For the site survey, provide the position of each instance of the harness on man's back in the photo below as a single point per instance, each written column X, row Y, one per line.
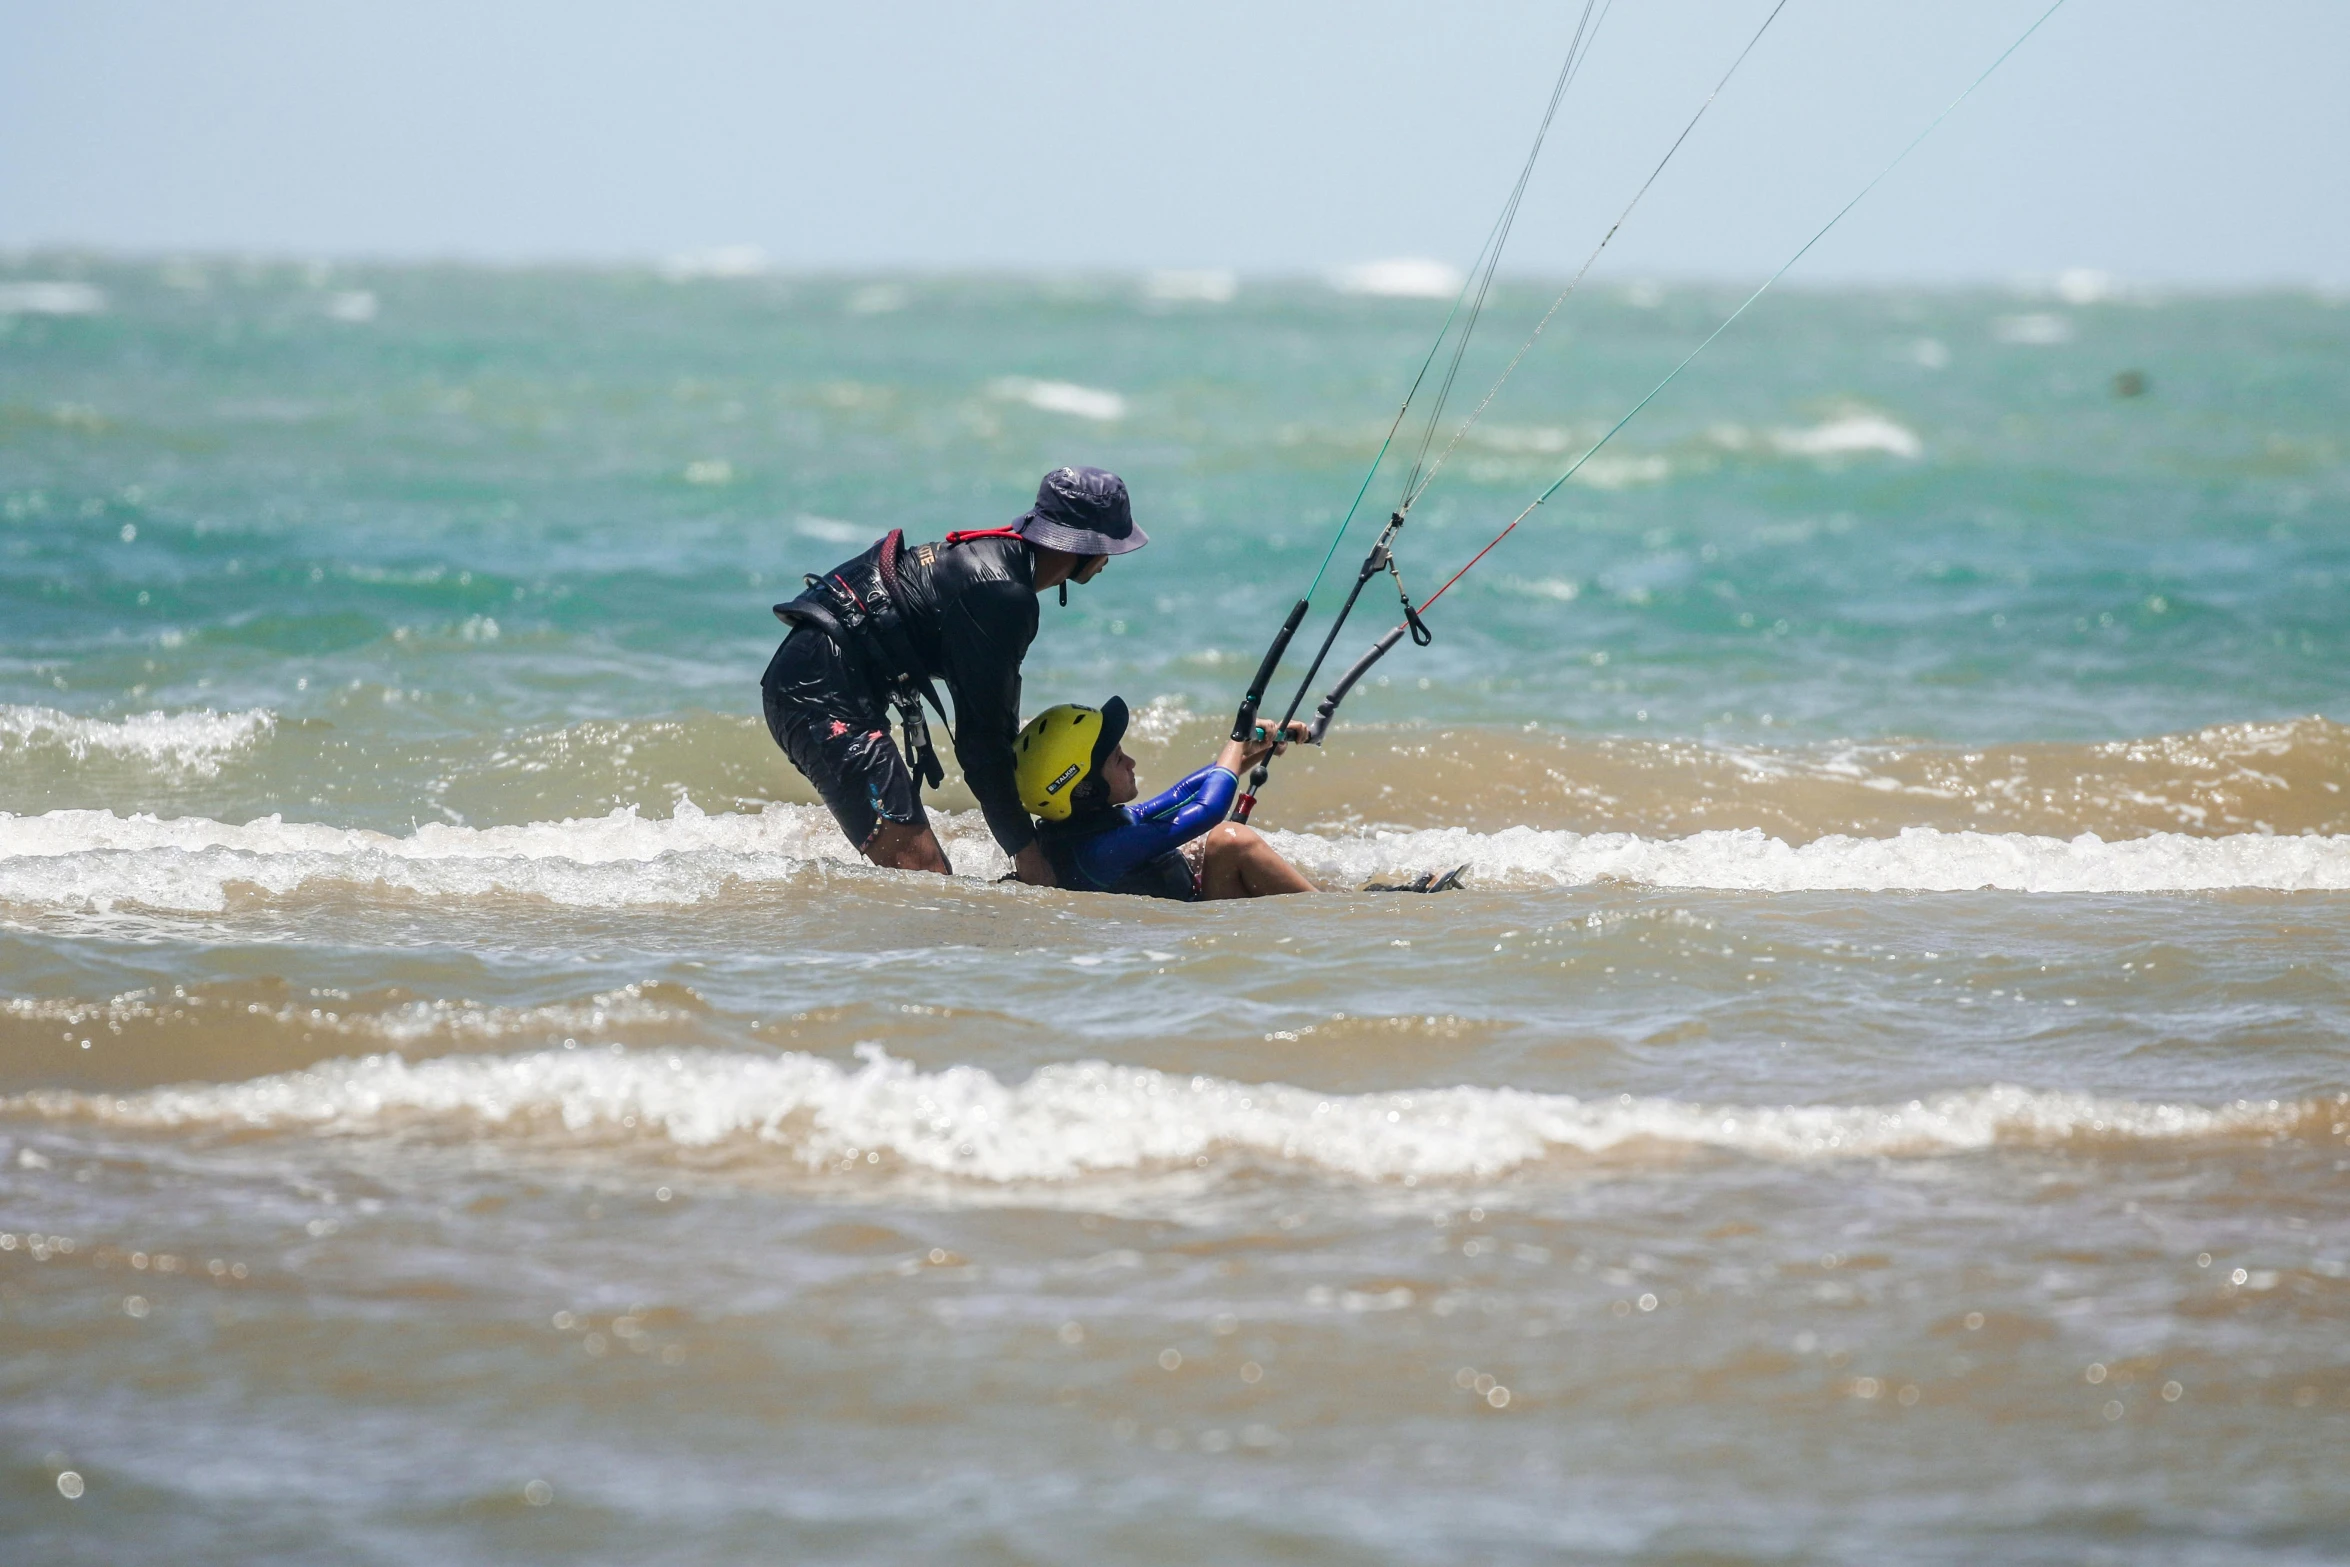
column 872, row 635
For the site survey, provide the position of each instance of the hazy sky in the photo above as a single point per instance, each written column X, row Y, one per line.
column 2185, row 140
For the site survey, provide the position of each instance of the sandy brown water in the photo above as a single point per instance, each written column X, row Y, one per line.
column 1677, row 1272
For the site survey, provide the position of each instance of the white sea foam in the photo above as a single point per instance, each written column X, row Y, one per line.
column 2087, row 286
column 720, row 261
column 1072, row 1120
column 96, row 860
column 1523, row 439
column 1159, row 719
column 195, row 742
column 1850, row 435
column 638, row 1009
column 878, row 299
column 51, row 299
column 1563, row 590
column 1207, row 286
column 1061, row 397
column 1406, row 277
column 1622, row 470
column 832, row 530
column 1919, row 859
column 2039, row 329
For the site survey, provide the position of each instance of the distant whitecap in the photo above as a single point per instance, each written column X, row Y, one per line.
column 1406, row 277
column 832, row 530
column 720, row 261
column 1850, row 436
column 2040, row 329
column 1622, row 470
column 51, row 299
column 1209, row 286
column 1061, row 397
column 2086, row 286
column 878, row 299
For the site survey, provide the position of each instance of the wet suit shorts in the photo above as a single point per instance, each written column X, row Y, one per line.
column 837, row 735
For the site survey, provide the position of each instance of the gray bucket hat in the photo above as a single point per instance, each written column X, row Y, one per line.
column 1083, row 511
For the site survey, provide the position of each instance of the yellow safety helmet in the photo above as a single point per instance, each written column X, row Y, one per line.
column 1061, row 748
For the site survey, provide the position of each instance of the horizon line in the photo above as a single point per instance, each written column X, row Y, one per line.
column 743, row 264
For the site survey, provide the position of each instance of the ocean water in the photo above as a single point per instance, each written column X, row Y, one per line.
column 1884, row 1095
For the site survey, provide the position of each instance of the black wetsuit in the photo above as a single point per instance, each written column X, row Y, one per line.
column 967, row 612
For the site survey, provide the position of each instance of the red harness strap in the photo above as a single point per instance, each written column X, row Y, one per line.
column 983, row 533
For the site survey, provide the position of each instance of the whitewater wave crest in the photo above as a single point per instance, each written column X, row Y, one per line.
column 1084, row 1118
column 96, row 860
column 1918, row 859
column 401, row 1021
column 194, row 743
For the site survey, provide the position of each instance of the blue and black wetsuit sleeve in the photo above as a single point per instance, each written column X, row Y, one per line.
column 1165, row 822
column 984, row 633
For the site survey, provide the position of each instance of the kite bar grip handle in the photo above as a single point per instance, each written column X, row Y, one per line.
column 1245, row 722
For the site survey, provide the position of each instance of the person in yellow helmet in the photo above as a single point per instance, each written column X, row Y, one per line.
column 1074, row 775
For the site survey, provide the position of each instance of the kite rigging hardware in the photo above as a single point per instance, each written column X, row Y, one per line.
column 1422, row 475
column 1244, row 725
column 873, row 638
column 1473, row 292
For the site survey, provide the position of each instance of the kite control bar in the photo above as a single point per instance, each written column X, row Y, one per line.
column 1346, row 682
column 1244, row 723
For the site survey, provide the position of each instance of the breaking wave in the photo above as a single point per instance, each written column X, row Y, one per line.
column 1919, row 859
column 195, row 743
column 396, row 1021
column 98, row 861
column 1082, row 1118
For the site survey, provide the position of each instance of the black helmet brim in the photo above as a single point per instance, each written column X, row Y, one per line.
column 1113, row 730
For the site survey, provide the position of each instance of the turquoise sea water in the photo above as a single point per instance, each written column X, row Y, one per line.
column 321, row 500
column 1894, row 1037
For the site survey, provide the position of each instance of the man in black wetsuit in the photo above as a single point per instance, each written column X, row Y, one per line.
column 876, row 632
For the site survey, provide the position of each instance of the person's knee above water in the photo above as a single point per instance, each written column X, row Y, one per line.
column 880, row 631
column 1079, row 781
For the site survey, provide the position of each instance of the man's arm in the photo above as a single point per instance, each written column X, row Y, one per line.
column 985, row 633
